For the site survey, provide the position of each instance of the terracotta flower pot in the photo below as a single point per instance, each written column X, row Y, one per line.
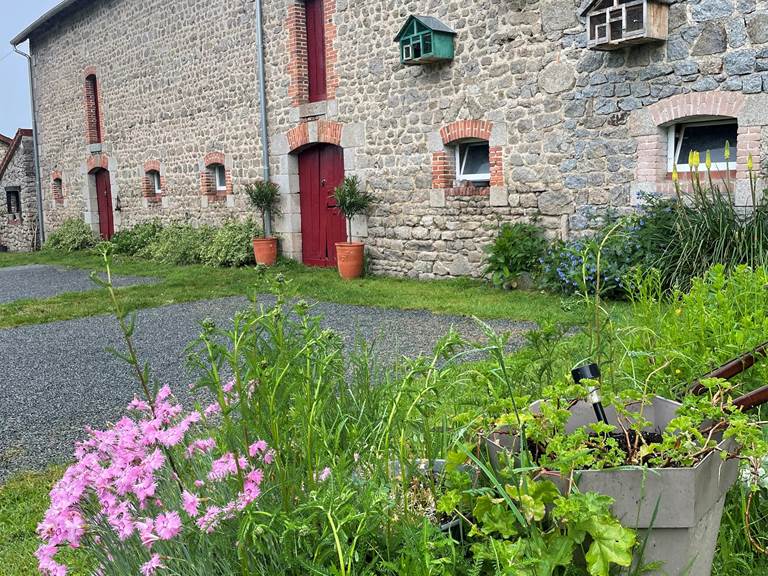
column 349, row 259
column 265, row 251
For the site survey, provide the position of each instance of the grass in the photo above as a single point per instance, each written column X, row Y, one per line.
column 188, row 283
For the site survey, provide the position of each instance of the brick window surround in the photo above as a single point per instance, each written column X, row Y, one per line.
column 148, row 185
column 443, row 161
column 652, row 172
column 57, row 188
column 208, row 178
column 94, row 120
column 296, row 24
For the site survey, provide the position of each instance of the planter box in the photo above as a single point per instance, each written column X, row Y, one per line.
column 683, row 534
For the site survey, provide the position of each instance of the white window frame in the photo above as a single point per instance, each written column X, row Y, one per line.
column 154, row 177
column 220, row 177
column 674, row 150
column 460, row 175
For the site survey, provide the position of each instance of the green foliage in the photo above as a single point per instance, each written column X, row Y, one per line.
column 133, row 240
column 517, row 248
column 231, row 245
column 265, row 197
column 71, row 235
column 352, row 200
column 179, row 244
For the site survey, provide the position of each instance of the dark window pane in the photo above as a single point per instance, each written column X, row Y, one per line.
column 712, row 138
column 417, row 47
column 427, row 43
column 475, row 159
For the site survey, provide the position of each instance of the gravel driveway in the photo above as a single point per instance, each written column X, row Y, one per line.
column 41, row 281
column 59, row 377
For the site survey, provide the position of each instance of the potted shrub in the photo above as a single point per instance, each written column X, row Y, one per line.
column 265, row 197
column 352, row 201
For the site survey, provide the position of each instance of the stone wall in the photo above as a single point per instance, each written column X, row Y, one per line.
column 176, row 83
column 18, row 232
column 571, row 129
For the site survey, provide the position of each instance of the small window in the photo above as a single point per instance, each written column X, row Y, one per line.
column 701, row 137
column 154, row 181
column 93, row 114
column 56, row 188
column 219, row 177
column 13, row 202
column 473, row 162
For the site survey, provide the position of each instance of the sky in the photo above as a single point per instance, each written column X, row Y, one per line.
column 14, row 82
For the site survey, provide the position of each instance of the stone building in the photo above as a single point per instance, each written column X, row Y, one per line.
column 561, row 111
column 18, row 210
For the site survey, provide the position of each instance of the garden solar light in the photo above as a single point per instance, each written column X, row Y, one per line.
column 591, row 372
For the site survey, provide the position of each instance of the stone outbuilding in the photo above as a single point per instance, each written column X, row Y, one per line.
column 458, row 115
column 18, row 210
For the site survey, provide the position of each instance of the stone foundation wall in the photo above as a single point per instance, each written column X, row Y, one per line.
column 18, row 232
column 572, row 134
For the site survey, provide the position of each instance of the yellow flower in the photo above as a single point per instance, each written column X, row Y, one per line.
column 679, row 311
column 677, row 371
column 750, row 162
column 708, row 160
column 727, row 150
column 675, row 175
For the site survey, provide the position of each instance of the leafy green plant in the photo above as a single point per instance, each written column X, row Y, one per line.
column 352, row 200
column 265, row 196
column 133, row 240
column 179, row 244
column 71, row 235
column 517, row 248
column 230, row 245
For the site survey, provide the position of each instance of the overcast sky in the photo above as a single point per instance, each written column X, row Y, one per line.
column 14, row 84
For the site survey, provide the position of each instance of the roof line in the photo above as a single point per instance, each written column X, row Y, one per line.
column 20, row 133
column 5, row 139
column 49, row 15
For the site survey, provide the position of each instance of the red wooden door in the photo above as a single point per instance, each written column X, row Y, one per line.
column 315, row 50
column 104, row 203
column 321, row 170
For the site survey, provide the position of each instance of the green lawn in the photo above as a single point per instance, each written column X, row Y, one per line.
column 187, row 283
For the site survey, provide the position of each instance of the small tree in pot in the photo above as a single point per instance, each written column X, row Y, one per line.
column 265, row 197
column 352, row 201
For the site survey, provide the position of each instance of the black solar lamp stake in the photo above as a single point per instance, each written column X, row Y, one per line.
column 591, row 372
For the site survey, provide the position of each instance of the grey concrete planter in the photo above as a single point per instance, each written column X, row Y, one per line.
column 683, row 534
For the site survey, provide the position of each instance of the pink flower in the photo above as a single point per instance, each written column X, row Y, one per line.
column 269, row 457
column 146, row 533
column 211, row 410
column 229, row 385
column 324, row 475
column 138, row 405
column 201, row 446
column 168, row 525
column 190, row 503
column 257, row 448
column 209, row 520
column 148, row 568
column 223, row 467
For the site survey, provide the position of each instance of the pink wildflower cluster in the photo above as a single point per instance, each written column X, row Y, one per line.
column 121, row 470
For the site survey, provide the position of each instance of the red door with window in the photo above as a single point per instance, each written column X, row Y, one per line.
column 104, row 203
column 315, row 50
column 321, row 171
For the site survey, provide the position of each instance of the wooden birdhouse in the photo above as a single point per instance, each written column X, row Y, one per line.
column 614, row 24
column 424, row 40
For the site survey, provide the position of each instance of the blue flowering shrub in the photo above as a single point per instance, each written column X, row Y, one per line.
column 624, row 244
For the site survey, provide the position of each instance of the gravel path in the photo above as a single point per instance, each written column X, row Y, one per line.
column 41, row 281
column 58, row 378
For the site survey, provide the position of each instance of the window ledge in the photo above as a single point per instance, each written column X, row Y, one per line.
column 704, row 175
column 468, row 191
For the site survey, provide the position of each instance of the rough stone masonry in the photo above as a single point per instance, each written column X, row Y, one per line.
column 574, row 134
